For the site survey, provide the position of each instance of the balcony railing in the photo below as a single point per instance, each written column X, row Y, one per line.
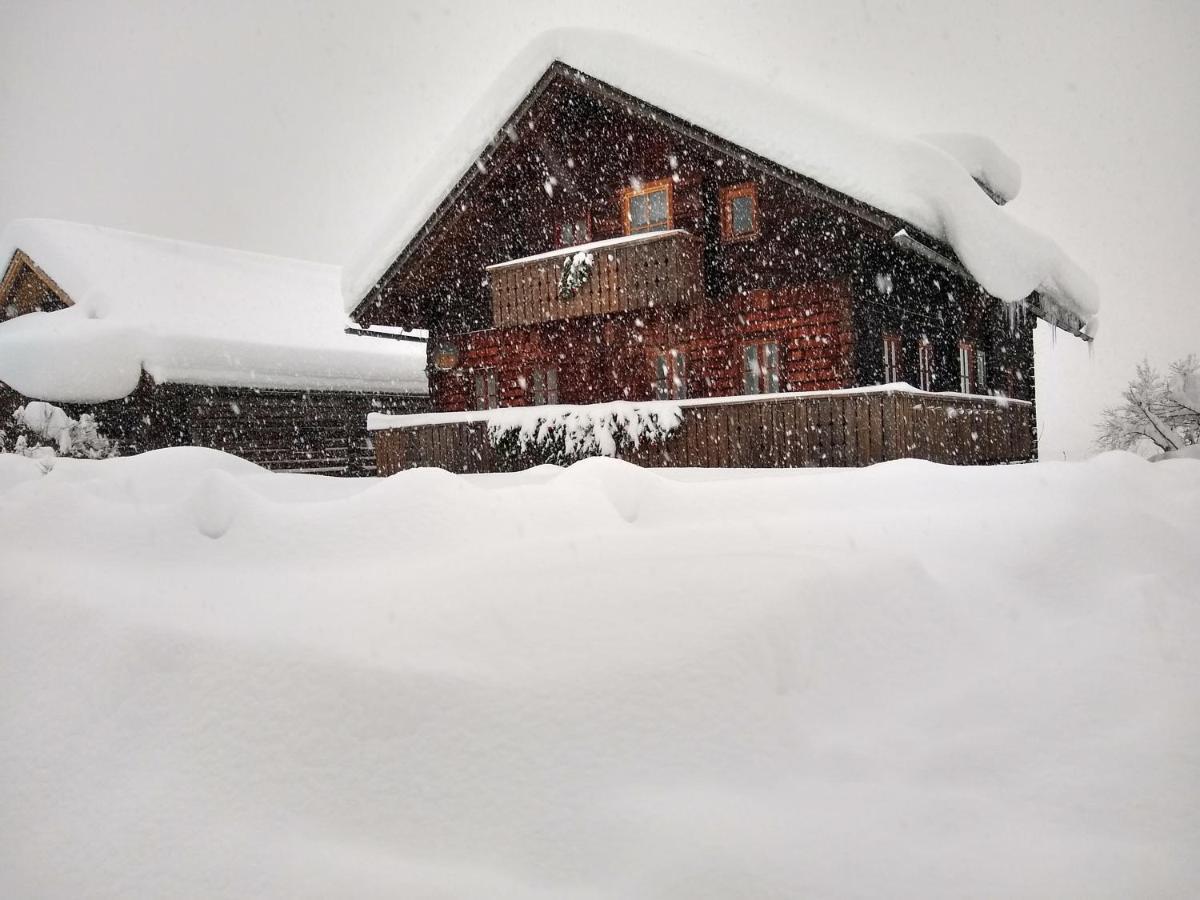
column 658, row 269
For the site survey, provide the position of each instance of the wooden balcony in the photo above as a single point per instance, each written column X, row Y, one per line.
column 657, row 269
column 831, row 428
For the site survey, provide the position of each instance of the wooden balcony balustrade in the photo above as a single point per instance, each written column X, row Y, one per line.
column 657, row 269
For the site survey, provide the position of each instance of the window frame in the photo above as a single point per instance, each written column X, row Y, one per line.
column 543, row 386
column 648, row 188
column 671, row 365
column 486, row 393
column 966, row 367
column 981, row 371
column 727, row 195
column 768, row 368
column 892, row 358
column 925, row 364
column 574, row 222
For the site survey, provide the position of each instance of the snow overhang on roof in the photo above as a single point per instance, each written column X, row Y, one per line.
column 185, row 313
column 932, row 184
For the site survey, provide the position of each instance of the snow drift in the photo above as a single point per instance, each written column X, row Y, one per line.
column 599, row 682
column 186, row 313
column 929, row 183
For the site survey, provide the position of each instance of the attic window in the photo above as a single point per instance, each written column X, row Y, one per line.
column 648, row 208
column 739, row 212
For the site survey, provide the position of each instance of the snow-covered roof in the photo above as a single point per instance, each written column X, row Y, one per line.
column 929, row 183
column 186, row 313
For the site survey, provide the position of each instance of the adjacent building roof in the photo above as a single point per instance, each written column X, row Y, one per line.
column 932, row 184
column 185, row 313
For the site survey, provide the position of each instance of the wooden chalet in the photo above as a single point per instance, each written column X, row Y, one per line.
column 172, row 344
column 605, row 248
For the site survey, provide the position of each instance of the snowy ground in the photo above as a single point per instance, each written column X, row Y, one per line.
column 905, row 681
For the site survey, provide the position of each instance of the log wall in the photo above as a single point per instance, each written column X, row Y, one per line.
column 297, row 431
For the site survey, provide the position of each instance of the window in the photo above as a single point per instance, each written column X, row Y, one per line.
column 891, row 358
column 574, row 231
column 966, row 367
column 760, row 368
column 1011, row 379
column 925, row 365
column 670, row 375
column 981, row 372
column 739, row 212
column 648, row 208
column 487, row 393
column 544, row 386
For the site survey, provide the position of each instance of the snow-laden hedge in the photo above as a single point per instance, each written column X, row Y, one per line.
column 43, row 431
column 561, row 435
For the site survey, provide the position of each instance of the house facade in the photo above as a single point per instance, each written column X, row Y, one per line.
column 603, row 249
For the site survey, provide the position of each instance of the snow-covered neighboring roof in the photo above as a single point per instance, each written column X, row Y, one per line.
column 186, row 313
column 929, row 184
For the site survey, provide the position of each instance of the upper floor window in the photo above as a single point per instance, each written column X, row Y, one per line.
column 760, row 368
column 670, row 375
column 891, row 358
column 544, row 386
column 648, row 208
column 966, row 367
column 487, row 392
column 925, row 365
column 981, row 372
column 739, row 212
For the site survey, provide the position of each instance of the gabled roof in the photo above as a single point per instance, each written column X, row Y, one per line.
column 927, row 188
column 185, row 313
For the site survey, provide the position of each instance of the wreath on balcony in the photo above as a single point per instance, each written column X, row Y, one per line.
column 575, row 274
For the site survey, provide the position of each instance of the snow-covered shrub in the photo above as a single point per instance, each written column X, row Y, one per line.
column 575, row 274
column 42, row 431
column 566, row 434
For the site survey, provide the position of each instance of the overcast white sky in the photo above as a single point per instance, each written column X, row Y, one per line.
column 290, row 128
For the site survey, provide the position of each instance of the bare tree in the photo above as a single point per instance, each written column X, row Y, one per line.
column 1158, row 410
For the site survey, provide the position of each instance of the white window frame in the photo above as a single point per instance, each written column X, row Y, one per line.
column 925, row 365
column 487, row 389
column 891, row 358
column 966, row 367
column 760, row 368
column 544, row 386
column 670, row 375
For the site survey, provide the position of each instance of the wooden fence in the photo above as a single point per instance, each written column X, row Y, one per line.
column 659, row 269
column 782, row 430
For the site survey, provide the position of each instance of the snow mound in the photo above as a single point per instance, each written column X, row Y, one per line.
column 186, row 313
column 929, row 186
column 599, row 682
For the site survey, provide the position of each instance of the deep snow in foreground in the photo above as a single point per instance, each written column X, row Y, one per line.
column 904, row 681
